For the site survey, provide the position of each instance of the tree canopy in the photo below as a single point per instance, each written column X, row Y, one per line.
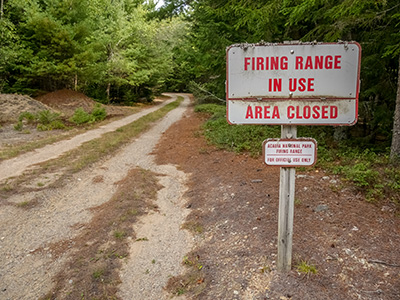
column 108, row 49
column 375, row 24
column 124, row 50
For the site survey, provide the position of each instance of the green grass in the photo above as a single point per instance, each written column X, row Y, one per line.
column 237, row 138
column 98, row 273
column 366, row 167
column 94, row 150
column 306, row 268
column 119, row 234
column 14, row 151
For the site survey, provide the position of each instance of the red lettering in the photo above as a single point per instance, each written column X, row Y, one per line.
column 310, row 85
column 246, row 63
column 252, row 63
column 277, row 84
column 284, row 63
column 334, row 112
column 307, row 112
column 260, row 63
column 316, row 113
column 302, row 86
column 309, row 64
column 249, row 113
column 290, row 112
column 324, row 112
column 258, row 112
column 299, row 63
column 298, row 116
column 275, row 63
column 319, row 62
column 267, row 112
column 292, row 84
column 328, row 62
column 338, row 61
column 275, row 113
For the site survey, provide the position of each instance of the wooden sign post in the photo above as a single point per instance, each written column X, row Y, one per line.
column 286, row 208
column 292, row 84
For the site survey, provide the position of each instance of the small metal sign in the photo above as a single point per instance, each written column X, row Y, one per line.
column 300, row 152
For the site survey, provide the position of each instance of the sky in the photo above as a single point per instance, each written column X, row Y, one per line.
column 160, row 3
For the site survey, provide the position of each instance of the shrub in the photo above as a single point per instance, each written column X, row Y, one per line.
column 57, row 124
column 18, row 126
column 99, row 113
column 30, row 117
column 81, row 117
column 45, row 117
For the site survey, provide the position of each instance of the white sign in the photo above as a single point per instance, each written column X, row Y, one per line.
column 290, row 152
column 311, row 76
column 301, row 112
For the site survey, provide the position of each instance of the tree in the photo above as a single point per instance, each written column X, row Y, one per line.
column 395, row 148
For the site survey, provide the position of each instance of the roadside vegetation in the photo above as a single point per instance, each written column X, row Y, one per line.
column 92, row 151
column 367, row 168
column 47, row 120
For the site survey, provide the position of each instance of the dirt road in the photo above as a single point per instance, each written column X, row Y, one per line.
column 29, row 262
column 54, row 239
column 16, row 166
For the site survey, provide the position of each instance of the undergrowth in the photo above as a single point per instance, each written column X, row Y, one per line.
column 235, row 138
column 366, row 167
column 45, row 120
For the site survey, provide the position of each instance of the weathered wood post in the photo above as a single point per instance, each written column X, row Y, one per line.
column 289, row 84
column 286, row 208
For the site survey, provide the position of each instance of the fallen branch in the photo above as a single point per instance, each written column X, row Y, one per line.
column 375, row 261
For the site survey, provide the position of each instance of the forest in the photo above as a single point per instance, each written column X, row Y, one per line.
column 124, row 51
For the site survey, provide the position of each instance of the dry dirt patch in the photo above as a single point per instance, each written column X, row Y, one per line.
column 352, row 244
column 67, row 101
column 104, row 242
column 11, row 105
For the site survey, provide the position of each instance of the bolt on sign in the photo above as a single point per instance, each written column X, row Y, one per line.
column 293, row 84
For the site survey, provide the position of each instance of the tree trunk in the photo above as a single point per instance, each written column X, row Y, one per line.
column 395, row 149
column 108, row 92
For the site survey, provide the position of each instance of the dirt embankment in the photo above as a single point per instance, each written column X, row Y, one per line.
column 67, row 101
column 12, row 105
column 64, row 102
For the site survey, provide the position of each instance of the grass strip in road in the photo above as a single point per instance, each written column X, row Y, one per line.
column 88, row 153
column 94, row 150
column 14, row 151
column 101, row 248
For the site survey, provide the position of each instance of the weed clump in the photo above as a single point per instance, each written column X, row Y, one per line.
column 82, row 117
column 306, row 268
column 45, row 120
